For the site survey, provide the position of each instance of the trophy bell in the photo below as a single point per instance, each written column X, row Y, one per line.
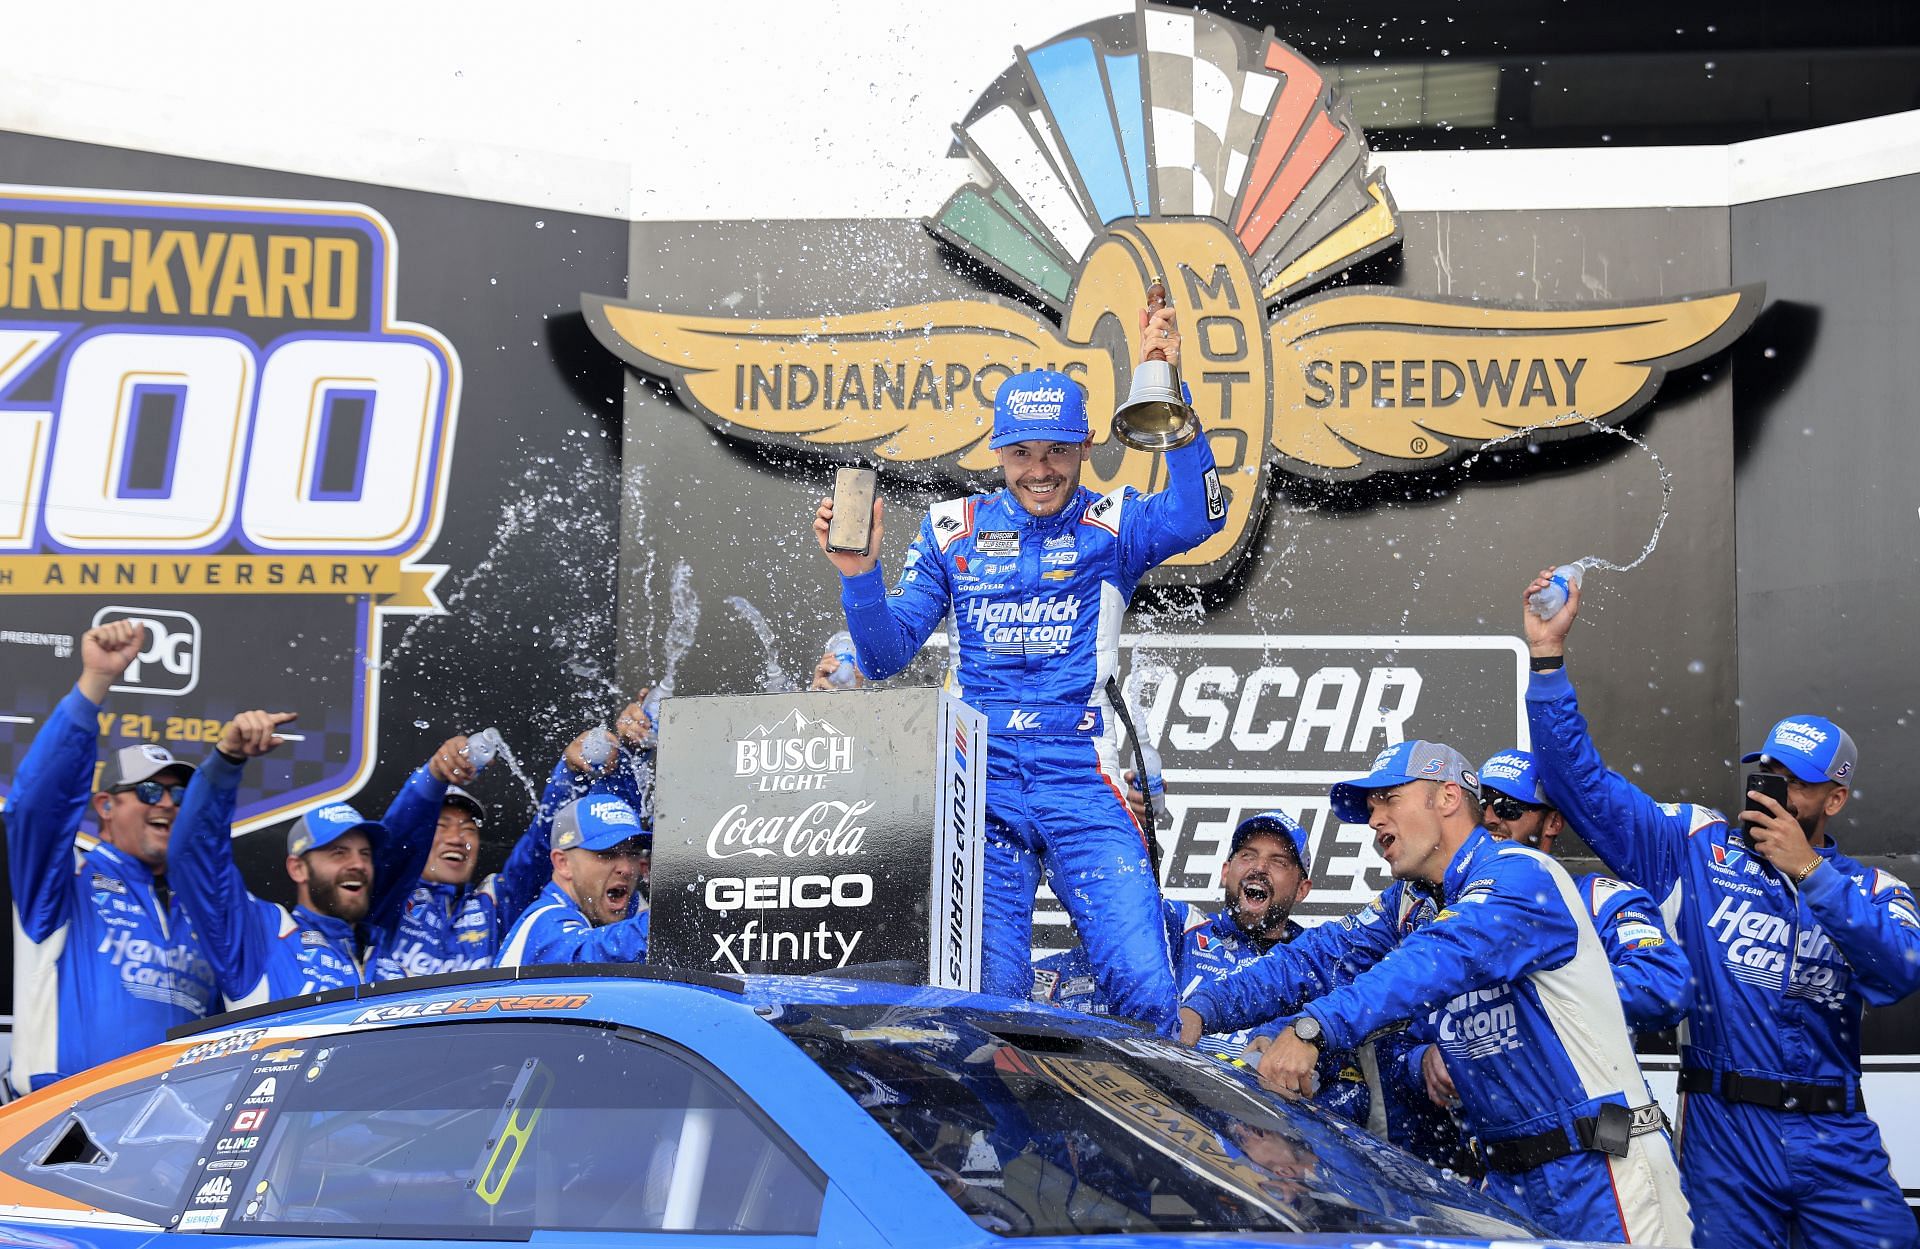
column 1155, row 416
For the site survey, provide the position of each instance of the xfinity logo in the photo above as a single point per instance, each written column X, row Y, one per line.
column 169, row 659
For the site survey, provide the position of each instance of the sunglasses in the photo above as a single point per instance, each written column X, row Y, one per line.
column 1511, row 808
column 151, row 792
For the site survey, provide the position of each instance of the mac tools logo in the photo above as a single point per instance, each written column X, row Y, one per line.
column 1166, row 142
column 213, row 421
column 794, row 753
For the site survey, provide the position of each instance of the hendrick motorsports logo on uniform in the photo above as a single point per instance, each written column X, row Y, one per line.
column 1245, row 197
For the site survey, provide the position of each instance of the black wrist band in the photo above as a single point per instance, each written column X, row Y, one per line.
column 1547, row 663
column 229, row 758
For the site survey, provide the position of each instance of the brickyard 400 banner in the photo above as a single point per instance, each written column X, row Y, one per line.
column 212, row 421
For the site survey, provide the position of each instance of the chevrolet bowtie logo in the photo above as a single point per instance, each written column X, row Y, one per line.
column 1243, row 209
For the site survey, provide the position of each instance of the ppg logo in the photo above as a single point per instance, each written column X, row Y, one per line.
column 169, row 660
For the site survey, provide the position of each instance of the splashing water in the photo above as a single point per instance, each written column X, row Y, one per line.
column 682, row 624
column 773, row 678
column 518, row 773
column 1666, row 485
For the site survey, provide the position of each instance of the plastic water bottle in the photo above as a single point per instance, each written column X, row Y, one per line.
column 846, row 676
column 1550, row 598
column 482, row 747
column 1153, row 784
column 597, row 751
column 650, row 708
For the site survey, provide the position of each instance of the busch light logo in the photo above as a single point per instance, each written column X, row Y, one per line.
column 1034, row 627
column 169, row 659
column 792, row 754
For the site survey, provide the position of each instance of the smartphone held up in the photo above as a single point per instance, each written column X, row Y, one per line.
column 851, row 530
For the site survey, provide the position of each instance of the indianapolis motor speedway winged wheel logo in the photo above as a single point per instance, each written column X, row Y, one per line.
column 1170, row 142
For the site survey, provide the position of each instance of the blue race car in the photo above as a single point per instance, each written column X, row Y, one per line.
column 588, row 1106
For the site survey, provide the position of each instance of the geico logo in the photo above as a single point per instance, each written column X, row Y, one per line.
column 1731, row 920
column 774, row 893
column 1332, row 709
column 756, row 756
column 237, row 441
column 823, row 828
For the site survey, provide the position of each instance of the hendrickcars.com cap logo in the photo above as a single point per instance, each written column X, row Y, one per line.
column 1175, row 143
column 212, row 421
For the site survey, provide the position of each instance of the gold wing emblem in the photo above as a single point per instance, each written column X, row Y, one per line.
column 1366, row 377
column 912, row 383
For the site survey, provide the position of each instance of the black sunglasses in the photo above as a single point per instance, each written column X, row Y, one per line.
column 150, row 792
column 1511, row 808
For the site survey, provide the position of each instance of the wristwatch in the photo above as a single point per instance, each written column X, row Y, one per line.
column 1308, row 1029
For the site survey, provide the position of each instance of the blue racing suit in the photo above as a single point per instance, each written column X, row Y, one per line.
column 447, row 927
column 1525, row 1014
column 555, row 930
column 1036, row 607
column 260, row 950
column 100, row 968
column 1781, row 974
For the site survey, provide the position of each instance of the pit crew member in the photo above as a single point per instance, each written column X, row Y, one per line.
column 1037, row 576
column 104, row 959
column 585, row 914
column 1527, row 1017
column 347, row 870
column 1787, row 938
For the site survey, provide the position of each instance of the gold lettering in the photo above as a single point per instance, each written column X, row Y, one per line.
column 289, row 271
column 72, row 239
column 151, row 274
column 240, row 278
column 35, row 260
column 100, row 293
column 202, row 260
column 331, row 303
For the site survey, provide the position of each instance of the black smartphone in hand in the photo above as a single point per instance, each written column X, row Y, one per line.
column 1772, row 784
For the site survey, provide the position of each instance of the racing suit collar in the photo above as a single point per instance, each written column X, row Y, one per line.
column 1018, row 515
column 1223, row 926
column 122, row 863
column 332, row 927
column 1463, row 860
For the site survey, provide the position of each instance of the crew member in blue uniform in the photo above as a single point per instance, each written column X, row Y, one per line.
column 1037, row 577
column 1524, row 1005
column 104, row 960
column 347, row 871
column 586, row 913
column 446, row 922
column 1787, row 938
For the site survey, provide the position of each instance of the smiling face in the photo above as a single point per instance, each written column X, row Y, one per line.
column 1043, row 475
column 140, row 829
column 1263, row 883
column 1533, row 825
column 602, row 882
column 456, row 847
column 336, row 879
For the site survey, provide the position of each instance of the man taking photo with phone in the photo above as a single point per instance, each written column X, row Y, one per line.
column 1788, row 939
column 1038, row 576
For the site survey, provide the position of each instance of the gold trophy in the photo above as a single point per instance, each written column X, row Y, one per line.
column 1155, row 416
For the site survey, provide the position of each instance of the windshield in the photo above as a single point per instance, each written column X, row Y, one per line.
column 1041, row 1129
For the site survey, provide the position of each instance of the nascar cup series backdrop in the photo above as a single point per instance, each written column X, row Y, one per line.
column 414, row 465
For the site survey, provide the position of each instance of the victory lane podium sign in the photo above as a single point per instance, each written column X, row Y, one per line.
column 833, row 833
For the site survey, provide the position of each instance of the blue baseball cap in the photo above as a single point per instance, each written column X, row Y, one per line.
column 1813, row 748
column 1273, row 824
column 325, row 825
column 1039, row 406
column 1411, row 760
column 1511, row 772
column 595, row 822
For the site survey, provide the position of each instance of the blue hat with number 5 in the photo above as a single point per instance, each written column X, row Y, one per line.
column 1041, row 406
column 1813, row 748
column 1411, row 760
column 323, row 826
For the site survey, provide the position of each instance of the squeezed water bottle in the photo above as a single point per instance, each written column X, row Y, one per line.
column 597, row 750
column 482, row 747
column 1550, row 598
column 650, row 707
column 847, row 674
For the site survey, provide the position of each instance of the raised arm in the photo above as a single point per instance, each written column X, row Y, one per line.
column 890, row 626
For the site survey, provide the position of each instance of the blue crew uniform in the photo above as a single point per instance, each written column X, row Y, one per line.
column 554, row 929
column 1775, row 1141
column 1036, row 607
column 445, row 927
column 1525, row 1015
column 262, row 951
column 101, row 966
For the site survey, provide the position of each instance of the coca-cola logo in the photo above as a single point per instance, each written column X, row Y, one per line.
column 824, row 828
